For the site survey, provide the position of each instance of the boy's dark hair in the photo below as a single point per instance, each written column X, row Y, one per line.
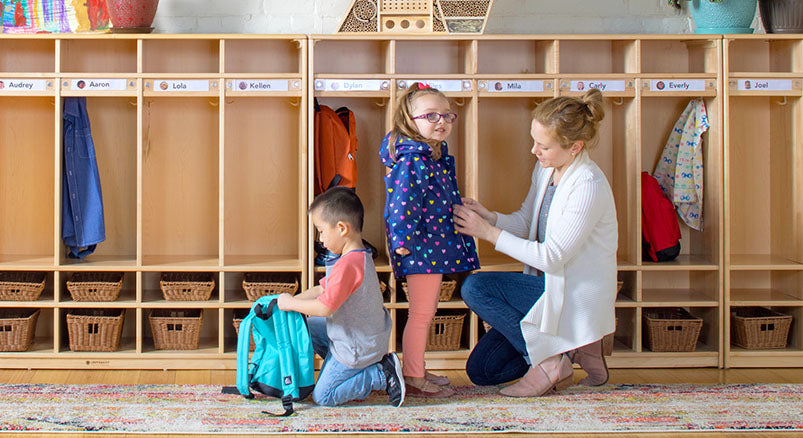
column 339, row 204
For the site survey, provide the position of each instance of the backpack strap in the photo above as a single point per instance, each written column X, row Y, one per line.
column 243, row 351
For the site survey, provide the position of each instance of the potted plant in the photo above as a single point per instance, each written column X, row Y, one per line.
column 132, row 16
column 781, row 16
column 720, row 16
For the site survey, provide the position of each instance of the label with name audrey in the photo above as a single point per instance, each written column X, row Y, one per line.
column 261, row 85
column 667, row 85
column 445, row 85
column 166, row 86
column 17, row 85
column 508, row 86
column 764, row 84
column 352, row 84
column 603, row 86
column 98, row 84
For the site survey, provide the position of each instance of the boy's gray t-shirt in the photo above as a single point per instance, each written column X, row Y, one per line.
column 359, row 330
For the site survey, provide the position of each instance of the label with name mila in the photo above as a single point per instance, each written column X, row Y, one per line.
column 23, row 85
column 261, row 85
column 165, row 86
column 352, row 84
column 764, row 84
column 583, row 86
column 666, row 85
column 445, row 85
column 98, row 84
column 505, row 86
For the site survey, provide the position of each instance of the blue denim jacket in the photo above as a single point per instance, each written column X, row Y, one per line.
column 82, row 224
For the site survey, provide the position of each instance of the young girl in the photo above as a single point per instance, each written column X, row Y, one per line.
column 420, row 191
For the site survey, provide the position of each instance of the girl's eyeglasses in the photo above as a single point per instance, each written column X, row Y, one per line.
column 436, row 117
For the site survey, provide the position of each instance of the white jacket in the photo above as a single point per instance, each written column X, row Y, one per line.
column 578, row 258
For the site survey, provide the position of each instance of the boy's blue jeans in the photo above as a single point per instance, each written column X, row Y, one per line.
column 337, row 383
column 501, row 299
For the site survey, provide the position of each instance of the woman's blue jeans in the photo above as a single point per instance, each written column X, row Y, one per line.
column 501, row 299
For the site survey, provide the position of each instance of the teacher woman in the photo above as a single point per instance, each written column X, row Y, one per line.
column 565, row 233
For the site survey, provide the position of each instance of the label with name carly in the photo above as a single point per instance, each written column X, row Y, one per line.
column 98, row 84
column 600, row 85
column 764, row 84
column 352, row 84
column 445, row 85
column 16, row 85
column 165, row 86
column 667, row 85
column 505, row 86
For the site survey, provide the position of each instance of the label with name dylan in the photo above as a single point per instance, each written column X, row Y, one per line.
column 764, row 84
column 261, row 85
column 98, row 84
column 504, row 86
column 180, row 86
column 583, row 86
column 15, row 85
column 667, row 85
column 445, row 85
column 351, row 84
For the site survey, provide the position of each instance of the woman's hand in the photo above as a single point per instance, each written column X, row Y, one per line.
column 402, row 251
column 480, row 209
column 471, row 223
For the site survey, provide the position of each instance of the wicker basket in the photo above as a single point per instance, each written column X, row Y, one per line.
column 759, row 328
column 446, row 291
column 95, row 286
column 21, row 286
column 17, row 327
column 444, row 333
column 176, row 329
column 95, row 329
column 672, row 329
column 236, row 324
column 259, row 284
column 187, row 286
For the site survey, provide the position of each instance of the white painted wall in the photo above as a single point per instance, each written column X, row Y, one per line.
column 507, row 16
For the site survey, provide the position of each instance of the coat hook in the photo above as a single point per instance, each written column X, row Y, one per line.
column 618, row 102
column 294, row 101
column 460, row 102
column 381, row 103
column 213, row 103
column 132, row 102
column 782, row 102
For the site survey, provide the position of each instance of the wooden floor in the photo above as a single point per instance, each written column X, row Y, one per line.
column 214, row 377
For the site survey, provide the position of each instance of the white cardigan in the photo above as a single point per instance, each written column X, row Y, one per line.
column 578, row 258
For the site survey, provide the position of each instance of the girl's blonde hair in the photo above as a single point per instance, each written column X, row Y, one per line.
column 572, row 119
column 403, row 123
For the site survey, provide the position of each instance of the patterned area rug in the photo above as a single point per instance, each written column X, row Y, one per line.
column 610, row 408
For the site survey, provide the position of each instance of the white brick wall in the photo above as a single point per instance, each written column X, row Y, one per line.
column 507, row 16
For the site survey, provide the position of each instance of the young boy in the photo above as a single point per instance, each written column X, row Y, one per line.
column 353, row 336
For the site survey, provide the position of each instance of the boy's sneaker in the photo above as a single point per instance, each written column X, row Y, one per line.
column 392, row 368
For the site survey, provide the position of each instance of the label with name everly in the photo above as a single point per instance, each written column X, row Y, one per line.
column 352, row 84
column 504, row 86
column 666, row 85
column 600, row 85
column 261, row 85
column 446, row 85
column 181, row 85
column 98, row 84
column 764, row 84
column 23, row 85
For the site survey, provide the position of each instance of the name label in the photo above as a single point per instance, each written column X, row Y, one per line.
column 583, row 86
column 98, row 84
column 164, row 86
column 23, row 85
column 666, row 85
column 445, row 85
column 764, row 84
column 504, row 86
column 352, row 84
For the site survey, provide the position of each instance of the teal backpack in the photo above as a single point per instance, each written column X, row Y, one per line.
column 283, row 362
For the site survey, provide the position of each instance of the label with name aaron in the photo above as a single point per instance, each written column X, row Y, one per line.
column 261, row 85
column 764, row 84
column 17, row 85
column 507, row 86
column 167, row 86
column 445, row 85
column 667, row 85
column 98, row 84
column 352, row 84
column 583, row 86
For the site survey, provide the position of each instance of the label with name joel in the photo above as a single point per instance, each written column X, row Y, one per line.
column 600, row 85
column 764, row 84
column 98, row 84
column 15, row 85
column 445, row 85
column 180, row 86
column 666, row 85
column 505, row 86
column 351, row 84
column 261, row 85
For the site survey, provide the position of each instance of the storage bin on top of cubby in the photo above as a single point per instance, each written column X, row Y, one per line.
column 258, row 284
column 187, row 286
column 757, row 328
column 21, row 286
column 95, row 286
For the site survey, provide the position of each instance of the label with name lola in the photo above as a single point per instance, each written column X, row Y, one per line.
column 600, row 85
column 261, row 85
column 98, row 84
column 666, row 85
column 23, row 85
column 764, row 84
column 505, row 86
column 165, row 86
column 445, row 85
column 352, row 84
